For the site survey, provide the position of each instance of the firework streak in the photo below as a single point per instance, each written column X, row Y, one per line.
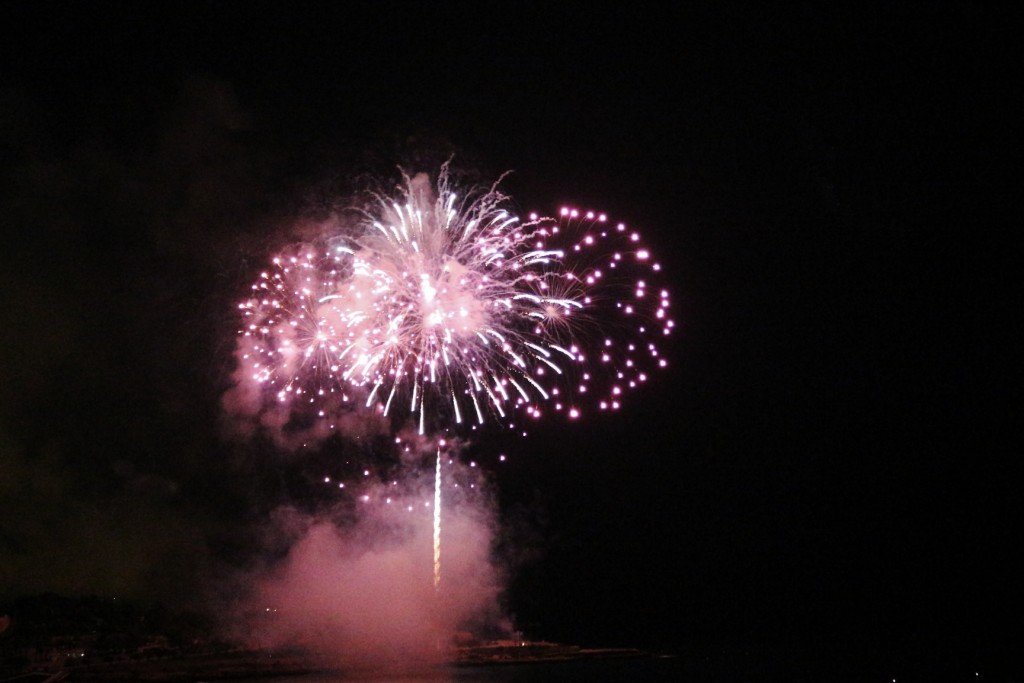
column 452, row 309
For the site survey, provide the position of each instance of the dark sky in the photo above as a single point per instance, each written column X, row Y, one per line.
column 829, row 472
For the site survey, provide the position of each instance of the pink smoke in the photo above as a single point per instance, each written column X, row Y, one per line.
column 362, row 595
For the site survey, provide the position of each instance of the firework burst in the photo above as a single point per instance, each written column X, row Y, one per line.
column 452, row 309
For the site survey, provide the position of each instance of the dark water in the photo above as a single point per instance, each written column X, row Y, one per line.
column 654, row 670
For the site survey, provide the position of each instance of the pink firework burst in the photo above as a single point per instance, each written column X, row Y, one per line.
column 452, row 309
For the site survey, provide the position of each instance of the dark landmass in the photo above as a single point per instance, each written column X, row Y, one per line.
column 50, row 637
column 184, row 668
column 180, row 668
column 105, row 637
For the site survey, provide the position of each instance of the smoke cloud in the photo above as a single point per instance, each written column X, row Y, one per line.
column 355, row 587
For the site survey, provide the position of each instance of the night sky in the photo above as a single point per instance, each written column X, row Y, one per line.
column 829, row 473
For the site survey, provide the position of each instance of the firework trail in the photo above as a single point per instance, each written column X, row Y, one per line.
column 437, row 521
column 452, row 309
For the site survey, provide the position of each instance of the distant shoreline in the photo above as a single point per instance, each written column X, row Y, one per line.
column 248, row 665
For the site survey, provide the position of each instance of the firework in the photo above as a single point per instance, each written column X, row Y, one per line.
column 451, row 308
column 437, row 520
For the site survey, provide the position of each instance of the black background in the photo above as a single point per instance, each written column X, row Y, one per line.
column 829, row 473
